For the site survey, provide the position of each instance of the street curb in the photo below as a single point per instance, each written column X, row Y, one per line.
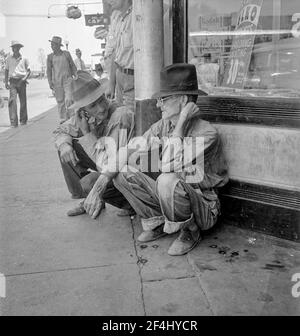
column 9, row 133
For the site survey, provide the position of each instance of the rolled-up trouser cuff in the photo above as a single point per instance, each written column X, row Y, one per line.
column 172, row 227
column 149, row 224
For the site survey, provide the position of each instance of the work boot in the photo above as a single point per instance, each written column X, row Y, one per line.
column 76, row 197
column 185, row 242
column 148, row 236
column 79, row 210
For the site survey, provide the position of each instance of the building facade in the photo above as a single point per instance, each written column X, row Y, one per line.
column 247, row 55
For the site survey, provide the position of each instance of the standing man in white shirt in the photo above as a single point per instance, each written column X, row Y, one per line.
column 78, row 61
column 122, row 68
column 111, row 39
column 16, row 73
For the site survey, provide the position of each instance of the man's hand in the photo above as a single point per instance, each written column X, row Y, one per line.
column 188, row 110
column 24, row 80
column 82, row 122
column 110, row 93
column 7, row 86
column 51, row 86
column 93, row 204
column 68, row 154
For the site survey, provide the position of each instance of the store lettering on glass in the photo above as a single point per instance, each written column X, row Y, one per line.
column 237, row 65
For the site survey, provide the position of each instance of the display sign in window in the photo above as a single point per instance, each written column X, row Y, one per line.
column 246, row 47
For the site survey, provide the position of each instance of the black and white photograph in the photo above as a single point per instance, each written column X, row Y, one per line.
column 149, row 161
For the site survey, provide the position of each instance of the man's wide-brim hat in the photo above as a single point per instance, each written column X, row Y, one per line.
column 86, row 90
column 57, row 40
column 178, row 79
column 16, row 43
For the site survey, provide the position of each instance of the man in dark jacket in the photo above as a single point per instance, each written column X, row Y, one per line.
column 60, row 70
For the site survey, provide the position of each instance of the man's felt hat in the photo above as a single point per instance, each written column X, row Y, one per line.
column 16, row 43
column 177, row 79
column 57, row 40
column 85, row 90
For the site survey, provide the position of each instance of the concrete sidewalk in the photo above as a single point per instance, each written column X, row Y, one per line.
column 56, row 265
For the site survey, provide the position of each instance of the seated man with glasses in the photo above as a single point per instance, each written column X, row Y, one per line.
column 81, row 142
column 184, row 197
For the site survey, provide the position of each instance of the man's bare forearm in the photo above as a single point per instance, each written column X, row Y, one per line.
column 27, row 74
column 121, row 161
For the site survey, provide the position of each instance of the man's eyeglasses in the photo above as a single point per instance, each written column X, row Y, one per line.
column 161, row 101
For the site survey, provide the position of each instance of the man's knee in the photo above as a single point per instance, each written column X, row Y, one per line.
column 121, row 178
column 126, row 176
column 166, row 184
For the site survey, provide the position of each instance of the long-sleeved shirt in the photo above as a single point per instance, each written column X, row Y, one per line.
column 124, row 55
column 118, row 127
column 197, row 158
column 112, row 33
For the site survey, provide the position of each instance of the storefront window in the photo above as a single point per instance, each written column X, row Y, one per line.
column 246, row 47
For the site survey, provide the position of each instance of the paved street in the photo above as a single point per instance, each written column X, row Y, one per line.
column 38, row 101
column 56, row 265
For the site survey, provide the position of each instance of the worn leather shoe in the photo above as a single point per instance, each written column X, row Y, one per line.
column 148, row 236
column 185, row 242
column 126, row 213
column 79, row 210
column 77, row 197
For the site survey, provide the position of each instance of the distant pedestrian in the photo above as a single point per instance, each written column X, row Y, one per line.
column 16, row 73
column 99, row 75
column 60, row 70
column 80, row 65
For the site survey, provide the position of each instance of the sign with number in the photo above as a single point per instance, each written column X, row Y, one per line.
column 237, row 65
column 97, row 20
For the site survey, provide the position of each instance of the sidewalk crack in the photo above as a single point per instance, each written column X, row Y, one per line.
column 200, row 285
column 175, row 278
column 140, row 266
column 61, row 270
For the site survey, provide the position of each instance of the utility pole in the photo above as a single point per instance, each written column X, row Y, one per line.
column 148, row 37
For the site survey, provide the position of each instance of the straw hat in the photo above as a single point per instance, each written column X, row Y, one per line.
column 16, row 43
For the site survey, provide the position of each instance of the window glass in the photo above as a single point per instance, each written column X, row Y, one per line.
column 246, row 47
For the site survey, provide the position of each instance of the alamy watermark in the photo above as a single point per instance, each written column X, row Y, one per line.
column 296, row 286
column 154, row 154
